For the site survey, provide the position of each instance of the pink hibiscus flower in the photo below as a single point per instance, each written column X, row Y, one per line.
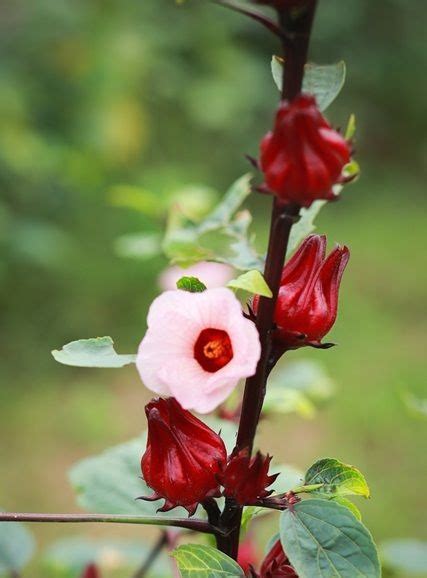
column 197, row 347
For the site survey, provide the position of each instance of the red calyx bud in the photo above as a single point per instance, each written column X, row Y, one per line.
column 183, row 456
column 91, row 571
column 245, row 479
column 307, row 303
column 276, row 564
column 303, row 157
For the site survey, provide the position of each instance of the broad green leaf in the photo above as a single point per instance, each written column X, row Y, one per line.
column 17, row 546
column 72, row 555
column 252, row 282
column 323, row 81
column 348, row 504
column 305, row 225
column 196, row 561
column 139, row 245
column 407, row 556
column 324, row 540
column 298, row 387
column 336, row 479
column 95, row 352
column 240, row 252
column 232, row 201
column 223, row 236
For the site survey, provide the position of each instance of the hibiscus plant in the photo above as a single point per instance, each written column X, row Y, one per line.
column 203, row 480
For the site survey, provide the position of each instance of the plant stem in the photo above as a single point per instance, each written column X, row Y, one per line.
column 254, row 14
column 296, row 26
column 188, row 523
column 152, row 557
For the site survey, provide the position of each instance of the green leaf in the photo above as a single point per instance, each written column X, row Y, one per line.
column 191, row 284
column 231, row 202
column 305, row 225
column 196, row 561
column 408, row 557
column 252, row 282
column 324, row 539
column 249, row 513
column 72, row 555
column 298, row 387
column 223, row 236
column 17, row 546
column 348, row 504
column 323, row 81
column 336, row 479
column 95, row 352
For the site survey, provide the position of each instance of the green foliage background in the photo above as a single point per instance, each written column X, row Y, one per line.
column 95, row 94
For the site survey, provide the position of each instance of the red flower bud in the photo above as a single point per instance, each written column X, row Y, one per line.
column 307, row 303
column 183, row 456
column 91, row 571
column 245, row 479
column 276, row 564
column 303, row 157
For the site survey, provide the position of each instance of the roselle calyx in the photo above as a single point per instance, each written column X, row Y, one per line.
column 183, row 456
column 246, row 478
column 303, row 157
column 307, row 303
column 276, row 564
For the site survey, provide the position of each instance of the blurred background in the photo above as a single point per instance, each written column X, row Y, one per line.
column 103, row 99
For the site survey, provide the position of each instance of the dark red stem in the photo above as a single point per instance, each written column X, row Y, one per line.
column 187, row 523
column 297, row 27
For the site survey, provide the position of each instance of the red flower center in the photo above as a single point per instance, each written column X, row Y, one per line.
column 213, row 349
